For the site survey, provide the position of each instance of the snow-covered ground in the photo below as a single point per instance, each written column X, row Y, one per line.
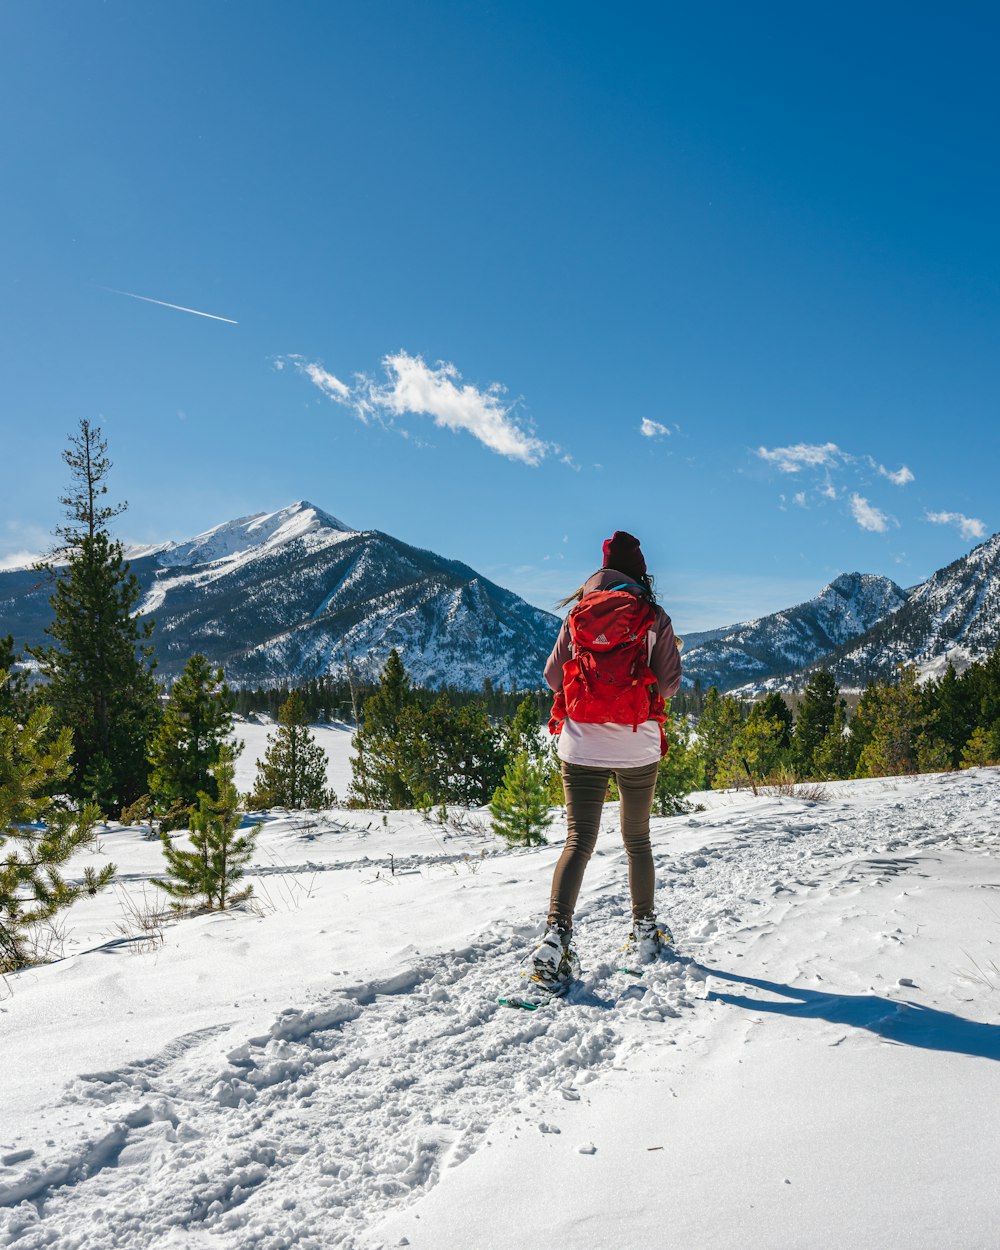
column 820, row 1069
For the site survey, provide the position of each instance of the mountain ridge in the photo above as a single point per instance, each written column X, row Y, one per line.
column 296, row 593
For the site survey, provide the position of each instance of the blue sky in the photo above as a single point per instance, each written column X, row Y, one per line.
column 474, row 251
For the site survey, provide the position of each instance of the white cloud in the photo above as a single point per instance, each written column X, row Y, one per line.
column 968, row 526
column 413, row 386
column 901, row 477
column 801, row 455
column 652, row 429
column 438, row 392
column 822, row 463
column 867, row 515
column 328, row 383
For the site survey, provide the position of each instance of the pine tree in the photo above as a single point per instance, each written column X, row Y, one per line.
column 33, row 763
column 817, row 710
column 948, row 701
column 832, row 758
column 718, row 725
column 209, row 873
column 896, row 725
column 450, row 754
column 521, row 732
column 680, row 771
column 293, row 772
column 862, row 726
column 520, row 805
column 376, row 768
column 196, row 725
column 15, row 696
column 983, row 748
column 99, row 666
column 774, row 707
column 754, row 754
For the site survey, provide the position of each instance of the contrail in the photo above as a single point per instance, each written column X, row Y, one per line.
column 164, row 304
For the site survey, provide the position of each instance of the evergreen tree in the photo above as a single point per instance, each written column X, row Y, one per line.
column 948, row 701
column 293, row 772
column 522, row 732
column 680, row 771
column 450, row 754
column 983, row 748
column 33, row 763
column 862, row 726
column 817, row 710
column 376, row 768
column 15, row 697
column 209, row 873
column 897, row 724
column 774, row 707
column 196, row 725
column 832, row 758
column 754, row 754
column 520, row 805
column 718, row 725
column 99, row 666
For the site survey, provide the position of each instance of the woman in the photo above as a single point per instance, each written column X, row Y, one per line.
column 627, row 744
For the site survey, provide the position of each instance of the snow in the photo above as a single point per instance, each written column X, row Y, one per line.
column 332, row 1068
column 225, row 547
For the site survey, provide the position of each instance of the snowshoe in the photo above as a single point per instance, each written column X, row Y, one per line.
column 648, row 942
column 552, row 969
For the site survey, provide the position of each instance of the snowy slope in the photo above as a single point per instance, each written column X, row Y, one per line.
column 821, row 1069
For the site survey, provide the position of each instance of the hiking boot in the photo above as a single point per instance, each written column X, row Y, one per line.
column 648, row 940
column 553, row 964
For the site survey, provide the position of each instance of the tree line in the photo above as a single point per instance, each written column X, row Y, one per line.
column 900, row 727
column 332, row 700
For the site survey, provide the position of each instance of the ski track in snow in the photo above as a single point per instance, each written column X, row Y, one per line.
column 355, row 1104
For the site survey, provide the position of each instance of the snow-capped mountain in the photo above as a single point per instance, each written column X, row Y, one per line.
column 294, row 594
column 784, row 642
column 954, row 615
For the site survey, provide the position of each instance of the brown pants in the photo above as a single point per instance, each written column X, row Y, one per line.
column 585, row 789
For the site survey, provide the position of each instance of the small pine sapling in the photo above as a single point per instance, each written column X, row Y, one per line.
column 208, row 875
column 520, row 806
column 38, row 833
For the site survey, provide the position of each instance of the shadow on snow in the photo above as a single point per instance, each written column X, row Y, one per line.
column 900, row 1022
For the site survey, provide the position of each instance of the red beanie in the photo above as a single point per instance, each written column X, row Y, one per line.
column 622, row 553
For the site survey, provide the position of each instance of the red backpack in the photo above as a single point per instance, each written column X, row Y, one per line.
column 608, row 678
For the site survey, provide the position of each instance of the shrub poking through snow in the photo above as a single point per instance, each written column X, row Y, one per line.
column 520, row 806
column 38, row 833
column 207, row 876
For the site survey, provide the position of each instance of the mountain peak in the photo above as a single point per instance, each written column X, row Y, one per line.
column 235, row 539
